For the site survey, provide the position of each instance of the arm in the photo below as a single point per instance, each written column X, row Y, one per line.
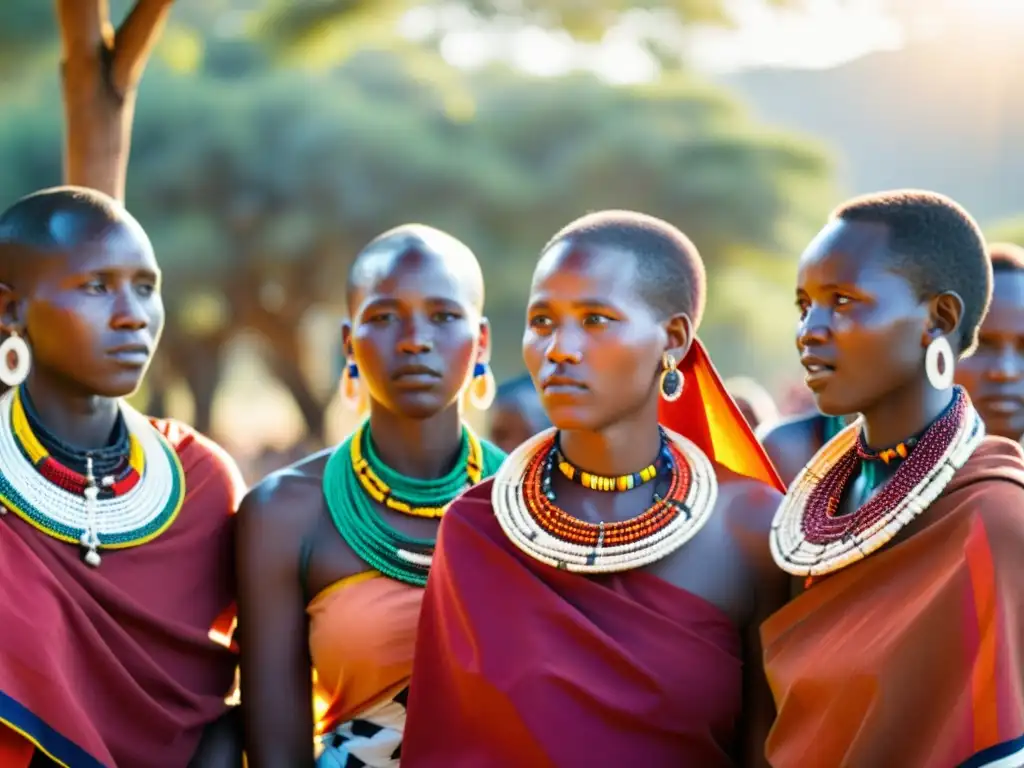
column 770, row 592
column 276, row 682
column 221, row 745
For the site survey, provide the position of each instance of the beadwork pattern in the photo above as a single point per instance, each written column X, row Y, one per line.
column 537, row 526
column 609, row 484
column 128, row 519
column 810, row 538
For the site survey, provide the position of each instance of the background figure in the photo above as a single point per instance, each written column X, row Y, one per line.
column 517, row 414
column 754, row 401
column 994, row 374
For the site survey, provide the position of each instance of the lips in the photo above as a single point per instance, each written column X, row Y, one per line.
column 818, row 370
column 1001, row 404
column 134, row 354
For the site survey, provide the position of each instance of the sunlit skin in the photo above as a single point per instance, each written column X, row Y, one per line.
column 92, row 316
column 994, row 374
column 593, row 346
column 862, row 337
column 415, row 332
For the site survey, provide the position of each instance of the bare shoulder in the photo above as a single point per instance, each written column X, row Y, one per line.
column 748, row 507
column 287, row 502
column 791, row 443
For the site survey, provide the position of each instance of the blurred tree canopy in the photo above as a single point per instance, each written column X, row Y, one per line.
column 258, row 184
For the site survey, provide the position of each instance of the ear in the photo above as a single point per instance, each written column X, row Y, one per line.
column 679, row 336
column 346, row 340
column 945, row 312
column 483, row 349
column 10, row 310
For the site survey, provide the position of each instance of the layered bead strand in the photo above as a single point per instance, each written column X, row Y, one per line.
column 810, row 538
column 532, row 520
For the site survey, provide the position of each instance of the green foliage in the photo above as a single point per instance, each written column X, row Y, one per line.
column 1009, row 231
column 257, row 180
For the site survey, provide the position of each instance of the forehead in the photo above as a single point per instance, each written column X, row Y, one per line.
column 1006, row 311
column 121, row 246
column 411, row 274
column 571, row 271
column 846, row 253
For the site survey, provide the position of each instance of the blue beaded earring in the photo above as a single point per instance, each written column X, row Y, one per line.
column 351, row 391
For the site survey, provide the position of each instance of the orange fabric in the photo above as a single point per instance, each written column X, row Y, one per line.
column 914, row 657
column 707, row 415
column 362, row 632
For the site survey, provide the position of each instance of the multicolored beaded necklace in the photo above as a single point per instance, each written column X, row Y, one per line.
column 119, row 496
column 524, row 504
column 610, row 484
column 356, row 480
column 810, row 538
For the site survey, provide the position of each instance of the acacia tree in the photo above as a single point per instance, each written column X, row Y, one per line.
column 100, row 72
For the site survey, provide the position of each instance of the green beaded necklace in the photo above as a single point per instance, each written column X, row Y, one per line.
column 356, row 516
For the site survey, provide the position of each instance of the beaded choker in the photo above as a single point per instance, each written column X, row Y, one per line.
column 610, row 484
column 116, row 502
column 356, row 480
column 525, row 508
column 809, row 538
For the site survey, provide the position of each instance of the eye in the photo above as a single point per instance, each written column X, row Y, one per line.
column 802, row 306
column 95, row 287
column 540, row 321
column 842, row 301
column 378, row 318
column 596, row 319
column 145, row 289
column 445, row 317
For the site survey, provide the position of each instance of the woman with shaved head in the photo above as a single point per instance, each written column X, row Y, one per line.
column 334, row 551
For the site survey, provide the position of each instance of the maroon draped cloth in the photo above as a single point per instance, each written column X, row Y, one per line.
column 521, row 664
column 118, row 666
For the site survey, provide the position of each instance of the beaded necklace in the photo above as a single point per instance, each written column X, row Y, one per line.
column 356, row 480
column 610, row 484
column 810, row 538
column 96, row 501
column 524, row 505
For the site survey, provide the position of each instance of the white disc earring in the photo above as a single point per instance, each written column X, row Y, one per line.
column 938, row 363
column 14, row 346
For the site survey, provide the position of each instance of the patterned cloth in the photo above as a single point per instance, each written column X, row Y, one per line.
column 372, row 740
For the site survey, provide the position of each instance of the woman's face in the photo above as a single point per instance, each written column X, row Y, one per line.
column 862, row 332
column 415, row 333
column 994, row 374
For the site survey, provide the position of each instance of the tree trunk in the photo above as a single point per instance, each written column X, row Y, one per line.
column 100, row 74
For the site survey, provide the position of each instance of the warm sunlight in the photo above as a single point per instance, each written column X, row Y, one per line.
column 997, row 10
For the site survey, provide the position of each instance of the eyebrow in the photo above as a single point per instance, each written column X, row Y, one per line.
column 580, row 304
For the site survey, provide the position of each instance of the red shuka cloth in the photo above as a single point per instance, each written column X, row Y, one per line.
column 521, row 664
column 115, row 666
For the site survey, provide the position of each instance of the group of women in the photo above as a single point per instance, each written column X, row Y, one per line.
column 626, row 580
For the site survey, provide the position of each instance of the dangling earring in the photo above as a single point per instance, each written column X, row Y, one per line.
column 671, row 379
column 939, row 348
column 482, row 388
column 351, row 391
column 16, row 346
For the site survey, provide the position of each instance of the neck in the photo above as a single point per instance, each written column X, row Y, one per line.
column 424, row 449
column 81, row 420
column 903, row 414
column 622, row 448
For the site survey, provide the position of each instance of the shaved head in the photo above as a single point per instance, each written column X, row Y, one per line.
column 408, row 244
column 58, row 221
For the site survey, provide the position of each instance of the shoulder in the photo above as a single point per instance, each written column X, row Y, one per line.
column 749, row 505
column 791, row 443
column 472, row 509
column 285, row 498
column 199, row 454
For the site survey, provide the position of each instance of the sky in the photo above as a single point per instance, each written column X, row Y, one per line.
column 824, row 33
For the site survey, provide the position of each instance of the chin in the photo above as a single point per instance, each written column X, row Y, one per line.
column 419, row 405
column 125, row 385
column 832, row 406
column 571, row 419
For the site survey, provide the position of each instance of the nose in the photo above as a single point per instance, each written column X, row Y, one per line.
column 415, row 338
column 564, row 347
column 813, row 329
column 1007, row 366
column 130, row 311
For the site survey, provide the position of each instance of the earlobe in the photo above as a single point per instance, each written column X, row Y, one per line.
column 9, row 309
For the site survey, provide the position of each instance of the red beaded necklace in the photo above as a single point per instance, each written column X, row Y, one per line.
column 563, row 526
column 821, row 523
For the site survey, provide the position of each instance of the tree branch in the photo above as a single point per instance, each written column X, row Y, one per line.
column 84, row 28
column 134, row 41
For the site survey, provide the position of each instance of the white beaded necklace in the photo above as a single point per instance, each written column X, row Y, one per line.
column 796, row 555
column 128, row 520
column 525, row 533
